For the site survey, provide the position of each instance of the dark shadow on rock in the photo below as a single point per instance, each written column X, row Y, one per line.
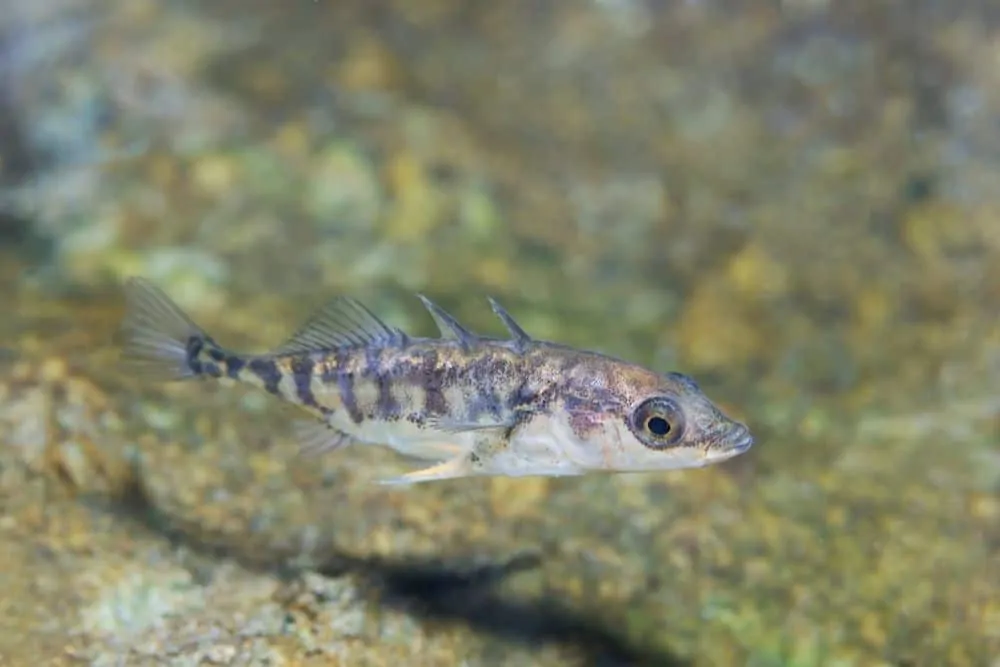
column 459, row 593
column 438, row 591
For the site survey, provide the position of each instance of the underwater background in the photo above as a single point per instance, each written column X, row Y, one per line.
column 796, row 202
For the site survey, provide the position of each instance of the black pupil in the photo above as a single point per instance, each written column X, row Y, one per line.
column 658, row 426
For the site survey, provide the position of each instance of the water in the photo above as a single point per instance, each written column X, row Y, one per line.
column 788, row 205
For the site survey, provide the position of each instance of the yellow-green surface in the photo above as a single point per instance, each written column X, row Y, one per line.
column 798, row 207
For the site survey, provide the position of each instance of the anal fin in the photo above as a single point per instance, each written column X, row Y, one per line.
column 317, row 437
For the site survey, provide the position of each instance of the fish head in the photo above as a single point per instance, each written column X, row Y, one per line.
column 639, row 420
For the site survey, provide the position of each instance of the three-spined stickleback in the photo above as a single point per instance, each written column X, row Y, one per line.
column 472, row 404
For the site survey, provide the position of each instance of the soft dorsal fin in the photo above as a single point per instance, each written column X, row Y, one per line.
column 342, row 322
column 448, row 326
column 518, row 335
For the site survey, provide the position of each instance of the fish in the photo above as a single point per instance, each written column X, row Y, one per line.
column 462, row 404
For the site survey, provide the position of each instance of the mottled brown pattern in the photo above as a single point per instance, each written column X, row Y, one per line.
column 207, row 358
column 592, row 386
column 268, row 374
column 490, row 381
column 341, row 375
column 211, row 369
column 495, row 379
column 302, row 371
column 384, row 376
column 193, row 347
column 426, row 373
column 234, row 365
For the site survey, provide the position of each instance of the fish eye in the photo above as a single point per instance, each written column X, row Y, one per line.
column 657, row 422
column 658, row 426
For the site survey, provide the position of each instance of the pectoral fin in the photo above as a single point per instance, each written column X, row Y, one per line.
column 492, row 439
column 460, row 466
column 490, row 429
column 317, row 437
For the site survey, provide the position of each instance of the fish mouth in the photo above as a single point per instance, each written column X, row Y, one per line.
column 734, row 443
column 741, row 440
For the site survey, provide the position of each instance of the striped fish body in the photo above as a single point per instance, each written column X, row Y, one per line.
column 411, row 396
column 477, row 405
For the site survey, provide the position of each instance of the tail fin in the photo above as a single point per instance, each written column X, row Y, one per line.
column 161, row 341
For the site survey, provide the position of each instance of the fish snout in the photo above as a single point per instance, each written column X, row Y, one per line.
column 739, row 440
